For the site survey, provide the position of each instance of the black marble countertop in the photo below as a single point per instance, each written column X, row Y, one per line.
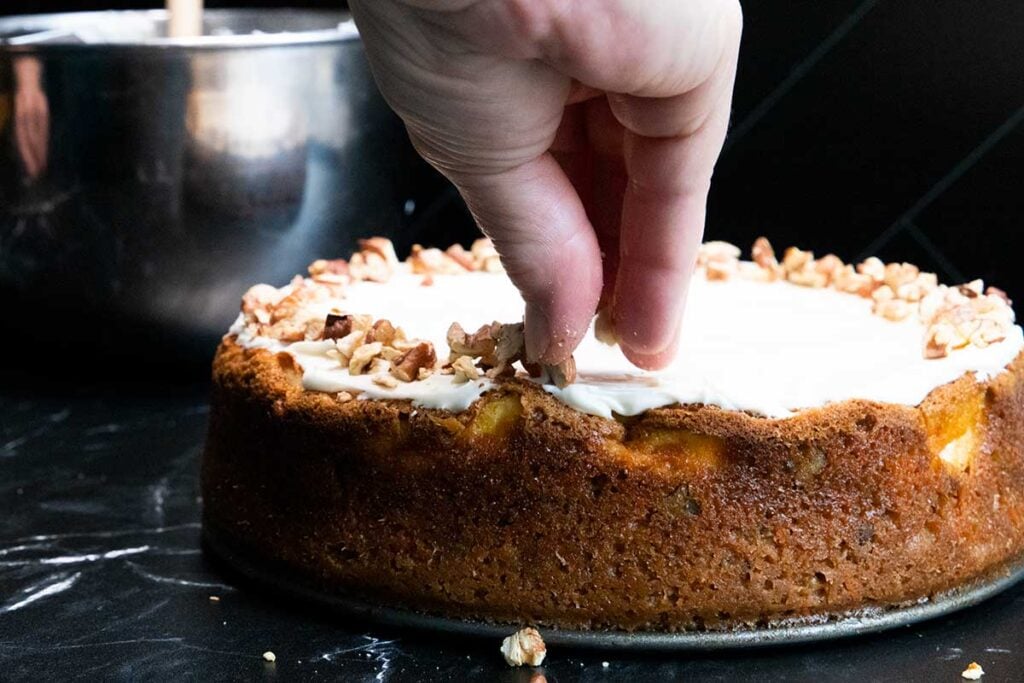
column 102, row 577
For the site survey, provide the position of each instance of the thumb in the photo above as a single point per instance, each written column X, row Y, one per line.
column 549, row 249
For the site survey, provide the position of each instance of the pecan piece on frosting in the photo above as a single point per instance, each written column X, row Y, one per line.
column 897, row 275
column 334, row 271
column 376, row 260
column 828, row 265
column 258, row 303
column 409, row 365
column 996, row 292
column 763, row 254
column 465, row 369
column 382, row 331
column 458, row 254
column 362, row 357
column 434, row 262
column 795, row 260
column 717, row 250
column 337, row 326
column 848, row 280
column 509, row 343
column 873, row 268
column 721, row 270
column 481, row 344
column 562, row 374
column 485, row 256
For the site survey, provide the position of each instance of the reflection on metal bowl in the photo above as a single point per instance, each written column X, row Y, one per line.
column 146, row 181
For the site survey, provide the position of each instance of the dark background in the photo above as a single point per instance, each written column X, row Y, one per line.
column 860, row 126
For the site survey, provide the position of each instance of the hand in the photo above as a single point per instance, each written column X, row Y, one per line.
column 582, row 136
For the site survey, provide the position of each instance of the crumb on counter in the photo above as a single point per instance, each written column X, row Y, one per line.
column 214, row 598
column 269, row 656
column 973, row 672
column 524, row 647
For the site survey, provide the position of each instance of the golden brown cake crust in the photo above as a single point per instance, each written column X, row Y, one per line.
column 522, row 509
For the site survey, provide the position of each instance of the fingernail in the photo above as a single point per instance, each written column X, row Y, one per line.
column 650, row 349
column 537, row 330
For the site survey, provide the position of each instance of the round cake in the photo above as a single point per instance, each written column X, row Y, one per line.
column 830, row 438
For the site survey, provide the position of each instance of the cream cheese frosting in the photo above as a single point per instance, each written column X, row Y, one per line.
column 769, row 348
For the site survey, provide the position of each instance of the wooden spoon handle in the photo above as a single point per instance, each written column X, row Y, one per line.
column 184, row 18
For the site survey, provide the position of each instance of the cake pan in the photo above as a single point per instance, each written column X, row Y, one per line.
column 788, row 632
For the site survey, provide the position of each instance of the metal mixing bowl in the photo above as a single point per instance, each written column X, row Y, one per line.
column 146, row 181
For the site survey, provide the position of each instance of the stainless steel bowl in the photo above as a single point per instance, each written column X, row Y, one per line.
column 146, row 181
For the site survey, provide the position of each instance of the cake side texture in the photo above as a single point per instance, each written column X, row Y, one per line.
column 521, row 509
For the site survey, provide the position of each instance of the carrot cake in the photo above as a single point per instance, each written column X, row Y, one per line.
column 830, row 438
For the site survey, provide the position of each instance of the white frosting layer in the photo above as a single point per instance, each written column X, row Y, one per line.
column 767, row 348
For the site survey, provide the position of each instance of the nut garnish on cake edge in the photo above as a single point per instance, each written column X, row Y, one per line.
column 953, row 317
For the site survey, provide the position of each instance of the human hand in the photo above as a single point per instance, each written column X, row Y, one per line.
column 582, row 135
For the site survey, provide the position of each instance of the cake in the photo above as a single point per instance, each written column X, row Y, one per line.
column 831, row 438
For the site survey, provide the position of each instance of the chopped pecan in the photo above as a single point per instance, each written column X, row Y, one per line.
column 996, row 292
column 828, row 265
column 485, row 256
column 971, row 289
column 562, row 374
column 481, row 344
column 286, row 330
column 465, row 369
column 314, row 330
column 333, row 271
column 721, row 270
column 717, row 251
column 386, row 381
column 988, row 332
column 897, row 274
column 893, row 309
column 918, row 288
column 848, row 280
column 807, row 277
column 337, row 326
column 524, row 647
column 752, row 271
column 795, row 260
column 939, row 340
column 381, row 331
column 872, row 267
column 362, row 356
column 258, row 301
column 408, row 366
column 433, row 262
column 347, row 345
column 461, row 256
column 376, row 260
column 883, row 293
column 763, row 254
column 509, row 343
column 290, row 305
column 381, row 246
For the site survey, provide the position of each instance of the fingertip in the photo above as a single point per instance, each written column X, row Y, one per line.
column 647, row 321
column 651, row 361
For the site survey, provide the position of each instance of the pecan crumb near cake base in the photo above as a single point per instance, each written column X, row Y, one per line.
column 525, row 646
